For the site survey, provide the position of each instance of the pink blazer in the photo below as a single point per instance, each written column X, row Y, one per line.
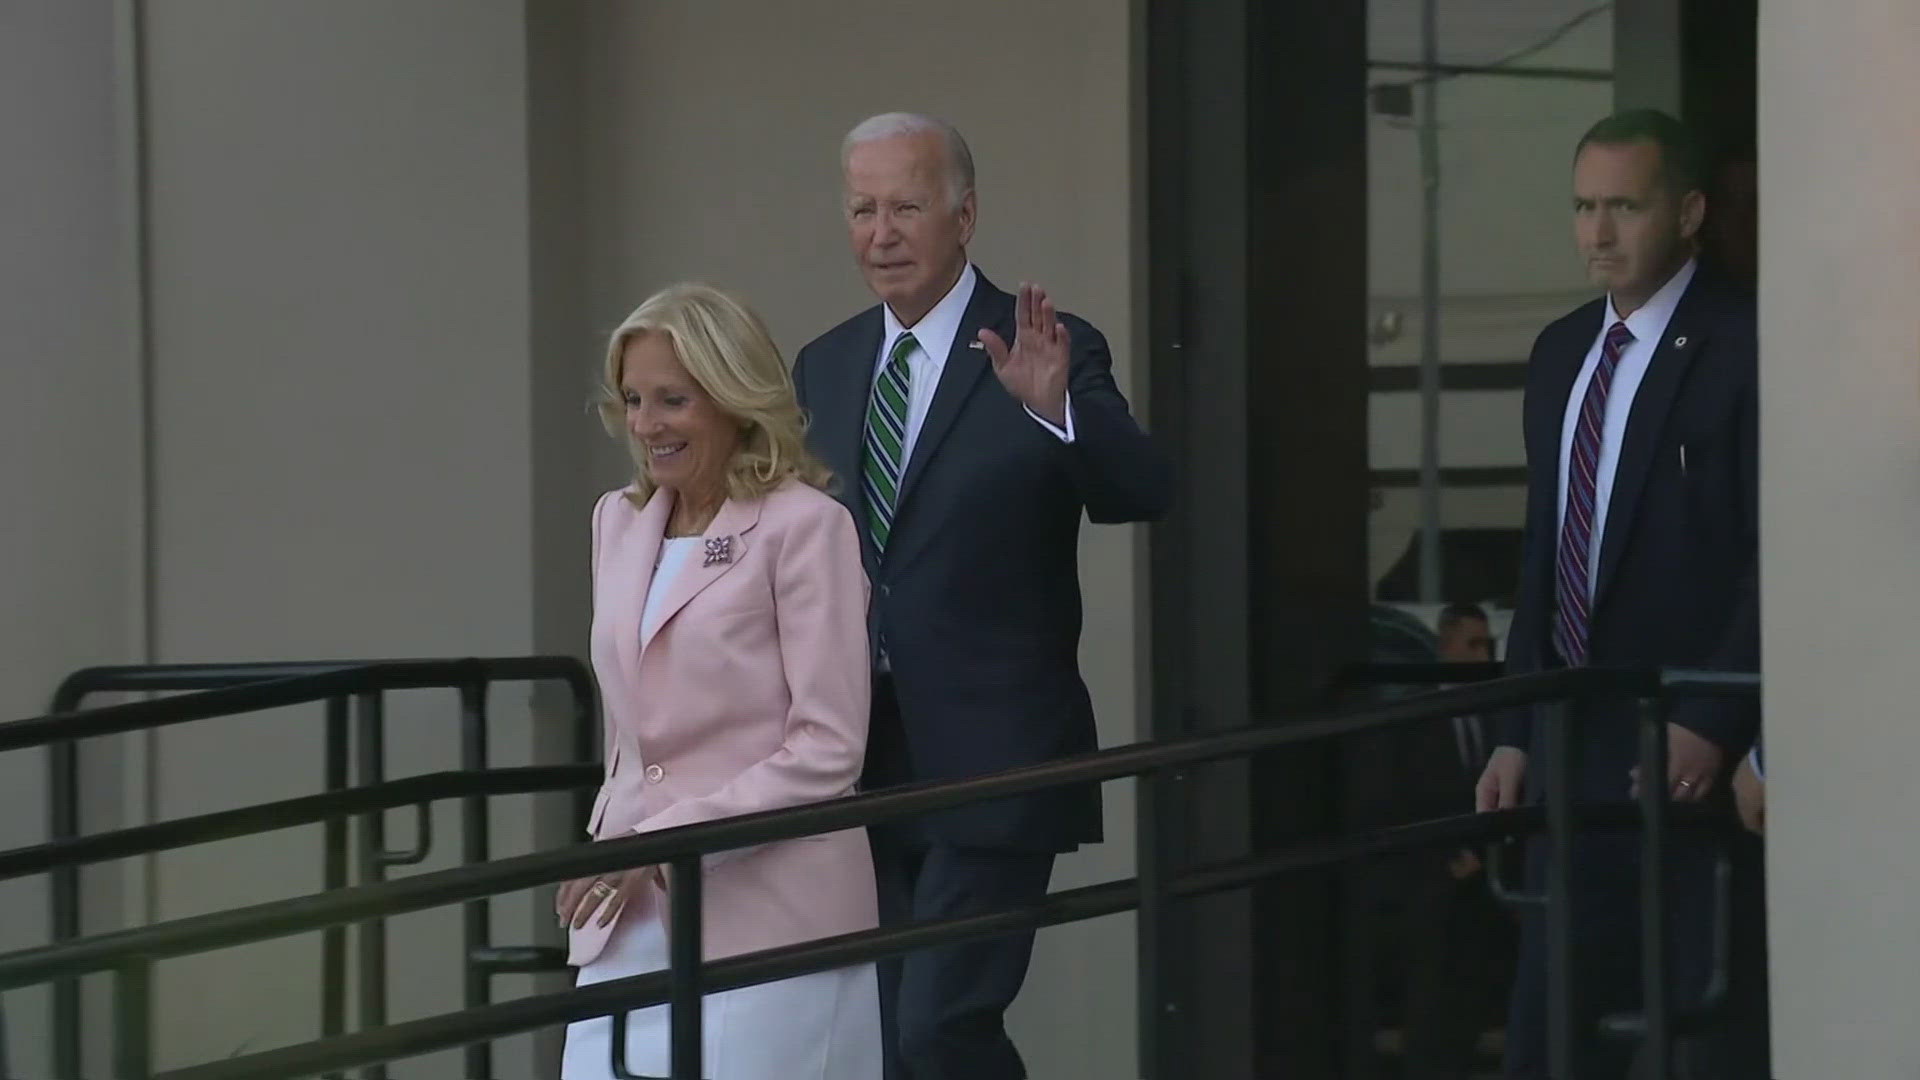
column 749, row 691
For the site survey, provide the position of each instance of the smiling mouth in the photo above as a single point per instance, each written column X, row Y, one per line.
column 666, row 450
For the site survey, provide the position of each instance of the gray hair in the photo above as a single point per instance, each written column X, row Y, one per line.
column 895, row 124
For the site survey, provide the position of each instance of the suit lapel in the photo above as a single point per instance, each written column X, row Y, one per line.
column 838, row 403
column 642, row 547
column 729, row 528
column 988, row 307
column 1545, row 426
column 1558, row 388
column 1667, row 371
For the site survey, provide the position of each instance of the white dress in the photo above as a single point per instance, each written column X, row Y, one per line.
column 824, row 1026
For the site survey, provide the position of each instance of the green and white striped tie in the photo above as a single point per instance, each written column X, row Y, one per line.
column 886, row 453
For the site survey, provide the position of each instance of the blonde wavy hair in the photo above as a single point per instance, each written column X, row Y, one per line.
column 726, row 349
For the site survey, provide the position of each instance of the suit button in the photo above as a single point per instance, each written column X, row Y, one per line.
column 655, row 774
column 886, row 590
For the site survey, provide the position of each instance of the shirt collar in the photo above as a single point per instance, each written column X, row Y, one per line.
column 1650, row 320
column 937, row 328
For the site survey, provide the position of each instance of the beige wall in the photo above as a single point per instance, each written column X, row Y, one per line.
column 70, row 549
column 1840, row 429
column 342, row 447
column 713, row 153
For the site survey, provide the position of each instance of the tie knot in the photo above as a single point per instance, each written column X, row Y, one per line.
column 904, row 344
column 1618, row 336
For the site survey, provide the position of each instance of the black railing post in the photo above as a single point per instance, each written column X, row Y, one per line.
column 1557, row 745
column 475, row 914
column 370, row 746
column 133, row 1020
column 1150, row 798
column 684, row 952
column 63, row 889
column 64, row 895
column 333, row 941
column 1656, row 1047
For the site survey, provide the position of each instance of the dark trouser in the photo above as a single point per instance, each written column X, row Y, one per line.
column 1460, row 953
column 1606, row 960
column 941, row 1009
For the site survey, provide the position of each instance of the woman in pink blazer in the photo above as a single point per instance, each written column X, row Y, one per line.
column 730, row 643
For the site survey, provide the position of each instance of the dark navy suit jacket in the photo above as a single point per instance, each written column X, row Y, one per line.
column 1677, row 576
column 977, row 597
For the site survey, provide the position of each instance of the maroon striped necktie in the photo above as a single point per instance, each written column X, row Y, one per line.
column 1574, row 593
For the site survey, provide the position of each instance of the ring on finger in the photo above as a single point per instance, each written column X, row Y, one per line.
column 601, row 888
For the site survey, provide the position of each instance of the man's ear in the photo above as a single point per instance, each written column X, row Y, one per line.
column 1693, row 213
column 969, row 210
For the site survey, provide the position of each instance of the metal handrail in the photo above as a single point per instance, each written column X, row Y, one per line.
column 242, row 925
column 140, row 678
column 290, row 813
column 259, row 694
column 224, row 689
column 1413, row 673
column 124, row 678
column 449, row 1030
column 132, row 952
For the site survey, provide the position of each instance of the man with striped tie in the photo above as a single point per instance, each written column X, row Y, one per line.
column 970, row 429
column 1641, row 552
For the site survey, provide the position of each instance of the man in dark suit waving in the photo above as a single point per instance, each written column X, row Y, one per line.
column 1641, row 552
column 970, row 429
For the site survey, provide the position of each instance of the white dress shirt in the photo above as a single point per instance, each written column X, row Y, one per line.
column 933, row 335
column 1648, row 325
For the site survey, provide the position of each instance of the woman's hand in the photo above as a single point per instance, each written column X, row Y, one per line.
column 607, row 893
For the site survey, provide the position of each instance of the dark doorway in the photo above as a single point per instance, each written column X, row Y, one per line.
column 1291, row 286
column 1257, row 226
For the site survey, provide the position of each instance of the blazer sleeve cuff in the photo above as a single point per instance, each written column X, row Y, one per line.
column 1065, row 434
column 1516, row 730
column 1729, row 725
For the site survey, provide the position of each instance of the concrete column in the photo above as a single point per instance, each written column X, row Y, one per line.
column 71, row 550
column 1840, row 431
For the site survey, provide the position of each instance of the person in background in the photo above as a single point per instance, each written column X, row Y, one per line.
column 975, row 428
column 1641, row 551
column 1458, row 940
column 730, row 643
column 1466, row 637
